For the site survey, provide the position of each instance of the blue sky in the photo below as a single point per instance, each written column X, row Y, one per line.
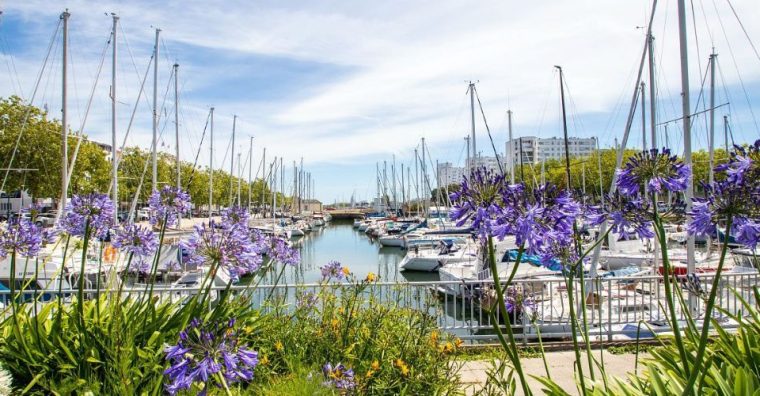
column 348, row 84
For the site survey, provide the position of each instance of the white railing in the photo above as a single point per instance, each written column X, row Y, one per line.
column 616, row 308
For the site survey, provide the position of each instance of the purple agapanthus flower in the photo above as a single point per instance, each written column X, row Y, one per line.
column 518, row 302
column 333, row 270
column 478, row 200
column 541, row 220
column 338, row 376
column 227, row 246
column 307, row 300
column 137, row 240
column 91, row 210
column 626, row 214
column 734, row 194
column 205, row 350
column 279, row 251
column 20, row 237
column 168, row 204
column 236, row 215
column 658, row 170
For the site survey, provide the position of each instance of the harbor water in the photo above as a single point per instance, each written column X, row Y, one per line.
column 339, row 241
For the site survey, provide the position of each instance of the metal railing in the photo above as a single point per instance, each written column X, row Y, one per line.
column 615, row 308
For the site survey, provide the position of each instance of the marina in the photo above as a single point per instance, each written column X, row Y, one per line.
column 345, row 200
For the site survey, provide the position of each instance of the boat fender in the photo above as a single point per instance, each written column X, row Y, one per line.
column 109, row 254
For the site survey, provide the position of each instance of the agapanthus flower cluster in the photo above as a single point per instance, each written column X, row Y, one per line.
column 629, row 210
column 168, row 204
column 226, row 246
column 204, row 350
column 307, row 300
column 479, row 200
column 735, row 194
column 541, row 220
column 137, row 240
column 338, row 376
column 658, row 170
column 95, row 211
column 627, row 214
column 145, row 267
column 279, row 251
column 235, row 215
column 20, row 237
column 517, row 301
column 333, row 270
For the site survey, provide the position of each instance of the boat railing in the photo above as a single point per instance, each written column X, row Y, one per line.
column 617, row 308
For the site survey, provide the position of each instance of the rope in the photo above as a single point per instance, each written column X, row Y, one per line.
column 198, row 153
column 89, row 105
column 751, row 44
column 493, row 146
column 733, row 58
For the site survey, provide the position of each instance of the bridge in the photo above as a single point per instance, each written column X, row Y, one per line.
column 348, row 213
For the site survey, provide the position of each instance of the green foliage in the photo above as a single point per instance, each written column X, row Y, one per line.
column 392, row 350
column 119, row 350
column 39, row 147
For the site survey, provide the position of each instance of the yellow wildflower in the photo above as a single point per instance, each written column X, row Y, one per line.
column 448, row 348
column 334, row 323
column 402, row 366
column 375, row 365
column 434, row 337
column 278, row 346
column 371, row 277
column 264, row 361
column 458, row 342
column 346, row 271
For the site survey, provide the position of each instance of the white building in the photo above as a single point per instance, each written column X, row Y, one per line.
column 535, row 150
column 449, row 174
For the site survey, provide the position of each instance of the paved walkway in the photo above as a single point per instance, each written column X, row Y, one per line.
column 474, row 373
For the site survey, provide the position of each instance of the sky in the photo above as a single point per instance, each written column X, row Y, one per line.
column 347, row 85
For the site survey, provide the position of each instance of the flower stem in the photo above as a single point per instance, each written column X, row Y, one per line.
column 669, row 292
column 689, row 389
column 80, row 292
column 511, row 348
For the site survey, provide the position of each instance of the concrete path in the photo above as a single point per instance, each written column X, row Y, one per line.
column 561, row 367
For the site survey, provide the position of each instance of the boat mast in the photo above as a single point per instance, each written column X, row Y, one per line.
column 564, row 126
column 211, row 166
column 393, row 176
column 683, row 45
column 176, row 126
column 423, row 167
column 232, row 158
column 643, row 118
column 239, row 179
column 64, row 112
column 114, row 161
column 250, row 169
column 652, row 93
column 467, row 166
column 712, row 118
column 509, row 150
column 155, row 113
column 725, row 132
column 471, row 89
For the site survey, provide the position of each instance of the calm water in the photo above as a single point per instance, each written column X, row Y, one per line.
column 339, row 241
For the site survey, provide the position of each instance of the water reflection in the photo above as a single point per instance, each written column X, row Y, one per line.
column 341, row 242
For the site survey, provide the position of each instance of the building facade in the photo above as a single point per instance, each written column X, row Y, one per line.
column 535, row 150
